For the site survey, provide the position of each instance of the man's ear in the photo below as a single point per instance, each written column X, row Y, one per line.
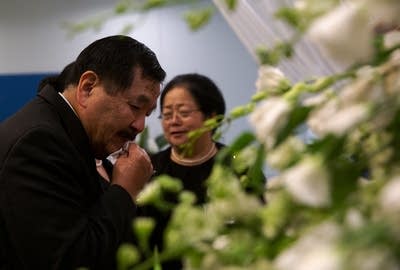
column 87, row 82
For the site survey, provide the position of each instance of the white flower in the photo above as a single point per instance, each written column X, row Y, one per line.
column 354, row 218
column 269, row 118
column 317, row 99
column 346, row 33
column 383, row 14
column 285, row 153
column 317, row 119
column 269, row 78
column 150, row 193
column 312, row 6
column 373, row 258
column 272, row 190
column 389, row 198
column 300, row 5
column 391, row 71
column 221, row 242
column 308, row 182
column 363, row 89
column 331, row 120
column 314, row 250
column 392, row 38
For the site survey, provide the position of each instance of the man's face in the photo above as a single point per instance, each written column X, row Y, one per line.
column 113, row 120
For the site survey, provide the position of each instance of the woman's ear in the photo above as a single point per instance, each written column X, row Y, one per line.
column 87, row 82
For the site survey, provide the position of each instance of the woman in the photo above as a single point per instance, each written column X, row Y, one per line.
column 186, row 102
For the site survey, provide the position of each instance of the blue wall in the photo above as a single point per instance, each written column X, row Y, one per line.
column 16, row 90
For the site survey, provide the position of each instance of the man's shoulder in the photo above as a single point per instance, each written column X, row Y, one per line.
column 30, row 118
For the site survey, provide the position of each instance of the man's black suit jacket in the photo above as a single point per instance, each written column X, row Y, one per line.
column 54, row 214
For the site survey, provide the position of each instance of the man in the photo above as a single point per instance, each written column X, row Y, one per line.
column 54, row 213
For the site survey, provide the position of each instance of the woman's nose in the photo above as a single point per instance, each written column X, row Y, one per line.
column 175, row 117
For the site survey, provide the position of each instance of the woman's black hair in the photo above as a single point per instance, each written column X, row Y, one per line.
column 58, row 82
column 204, row 91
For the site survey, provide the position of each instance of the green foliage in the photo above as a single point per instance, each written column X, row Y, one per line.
column 151, row 4
column 231, row 4
column 143, row 227
column 273, row 56
column 153, row 193
column 293, row 18
column 320, row 205
column 122, row 7
column 196, row 19
column 301, row 18
column 127, row 256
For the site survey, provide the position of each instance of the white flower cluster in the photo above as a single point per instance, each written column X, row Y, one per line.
column 316, row 249
column 356, row 114
column 389, row 201
column 309, row 182
column 355, row 103
column 345, row 33
column 269, row 118
column 270, row 79
column 331, row 119
column 334, row 203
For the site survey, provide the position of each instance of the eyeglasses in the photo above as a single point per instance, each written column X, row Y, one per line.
column 183, row 114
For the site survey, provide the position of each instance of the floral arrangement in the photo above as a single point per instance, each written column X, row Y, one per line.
column 335, row 202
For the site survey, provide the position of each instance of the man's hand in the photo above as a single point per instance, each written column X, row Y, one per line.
column 132, row 169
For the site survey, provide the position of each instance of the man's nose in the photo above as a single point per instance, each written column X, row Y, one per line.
column 139, row 123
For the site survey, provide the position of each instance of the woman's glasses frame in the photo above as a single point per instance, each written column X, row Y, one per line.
column 181, row 113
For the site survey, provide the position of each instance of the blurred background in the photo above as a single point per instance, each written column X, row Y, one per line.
column 35, row 43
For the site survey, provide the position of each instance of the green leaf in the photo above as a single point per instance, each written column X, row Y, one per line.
column 143, row 227
column 121, row 7
column 161, row 141
column 267, row 57
column 231, row 4
column 152, row 4
column 225, row 155
column 198, row 18
column 157, row 262
column 127, row 255
column 257, row 179
column 143, row 137
column 292, row 17
column 127, row 29
column 241, row 111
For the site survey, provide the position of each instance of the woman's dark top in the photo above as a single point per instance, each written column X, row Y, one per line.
column 193, row 179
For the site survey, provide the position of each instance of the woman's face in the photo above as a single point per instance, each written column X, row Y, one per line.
column 180, row 114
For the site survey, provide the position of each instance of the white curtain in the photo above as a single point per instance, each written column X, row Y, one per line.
column 254, row 23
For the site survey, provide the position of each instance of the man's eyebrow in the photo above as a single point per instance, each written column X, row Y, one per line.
column 142, row 99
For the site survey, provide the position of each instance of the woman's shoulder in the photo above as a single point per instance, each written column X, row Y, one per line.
column 161, row 155
column 220, row 145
